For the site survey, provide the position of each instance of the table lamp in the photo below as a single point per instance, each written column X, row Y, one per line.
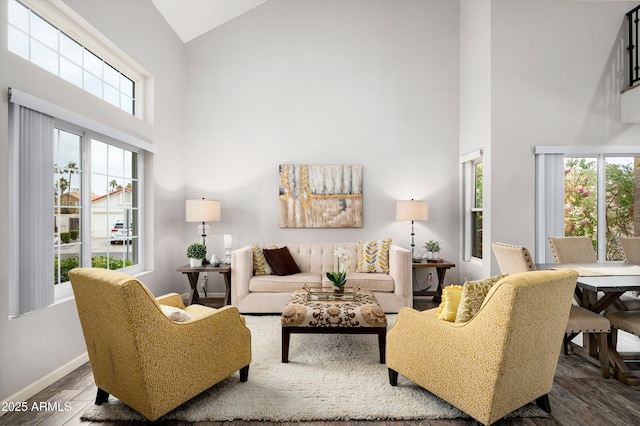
column 203, row 211
column 412, row 210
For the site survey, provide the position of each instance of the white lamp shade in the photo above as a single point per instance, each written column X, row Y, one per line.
column 202, row 210
column 412, row 210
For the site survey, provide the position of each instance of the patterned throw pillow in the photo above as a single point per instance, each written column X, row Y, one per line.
column 473, row 294
column 373, row 256
column 451, row 295
column 260, row 264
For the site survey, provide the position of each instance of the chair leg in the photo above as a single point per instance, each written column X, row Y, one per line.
column 543, row 402
column 604, row 354
column 565, row 344
column 393, row 377
column 244, row 373
column 102, row 396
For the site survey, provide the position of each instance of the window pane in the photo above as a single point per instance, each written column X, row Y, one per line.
column 580, row 198
column 19, row 16
column 111, row 76
column 126, row 104
column 619, row 203
column 111, row 95
column 99, row 157
column 116, row 161
column 476, row 233
column 126, row 86
column 44, row 57
column 44, row 32
column 93, row 64
column 18, row 43
column 71, row 72
column 478, row 185
column 92, row 84
column 70, row 49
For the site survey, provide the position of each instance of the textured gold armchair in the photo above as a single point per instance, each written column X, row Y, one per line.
column 143, row 358
column 500, row 360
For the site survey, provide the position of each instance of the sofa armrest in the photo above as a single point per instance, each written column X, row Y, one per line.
column 241, row 273
column 171, row 299
column 401, row 271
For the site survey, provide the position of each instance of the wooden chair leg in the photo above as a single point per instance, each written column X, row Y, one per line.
column 604, row 354
column 244, row 374
column 543, row 402
column 565, row 344
column 102, row 396
column 393, row 377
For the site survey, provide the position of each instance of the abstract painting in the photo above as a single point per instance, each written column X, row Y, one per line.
column 320, row 196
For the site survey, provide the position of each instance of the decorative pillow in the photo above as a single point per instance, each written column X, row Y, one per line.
column 449, row 306
column 260, row 264
column 281, row 261
column 373, row 256
column 473, row 294
column 175, row 314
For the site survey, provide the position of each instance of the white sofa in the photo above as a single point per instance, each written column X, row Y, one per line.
column 270, row 293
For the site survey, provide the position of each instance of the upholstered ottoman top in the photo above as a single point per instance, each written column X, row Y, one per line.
column 363, row 311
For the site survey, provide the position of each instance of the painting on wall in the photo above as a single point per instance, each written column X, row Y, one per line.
column 320, row 196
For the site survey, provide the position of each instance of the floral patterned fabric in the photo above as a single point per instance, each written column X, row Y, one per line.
column 473, row 294
column 362, row 312
column 500, row 360
column 140, row 356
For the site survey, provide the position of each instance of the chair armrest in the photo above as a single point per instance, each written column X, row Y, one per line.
column 401, row 271
column 171, row 299
column 241, row 273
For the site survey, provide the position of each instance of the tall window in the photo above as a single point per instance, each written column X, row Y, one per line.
column 473, row 212
column 40, row 42
column 111, row 208
column 597, row 194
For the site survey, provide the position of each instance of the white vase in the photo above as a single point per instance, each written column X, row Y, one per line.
column 195, row 263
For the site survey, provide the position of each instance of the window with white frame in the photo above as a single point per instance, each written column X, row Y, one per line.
column 472, row 167
column 587, row 191
column 43, row 43
column 79, row 203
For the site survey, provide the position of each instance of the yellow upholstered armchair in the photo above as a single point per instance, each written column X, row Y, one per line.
column 148, row 361
column 501, row 359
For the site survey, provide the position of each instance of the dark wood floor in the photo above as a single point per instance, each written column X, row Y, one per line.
column 580, row 397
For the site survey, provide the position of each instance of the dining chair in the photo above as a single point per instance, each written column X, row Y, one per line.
column 631, row 252
column 572, row 250
column 513, row 259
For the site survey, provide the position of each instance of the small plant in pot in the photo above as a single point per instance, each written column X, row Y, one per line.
column 196, row 253
column 433, row 249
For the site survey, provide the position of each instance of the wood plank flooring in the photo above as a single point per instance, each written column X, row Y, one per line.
column 580, row 397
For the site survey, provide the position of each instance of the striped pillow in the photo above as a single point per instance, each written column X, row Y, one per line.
column 260, row 264
column 373, row 256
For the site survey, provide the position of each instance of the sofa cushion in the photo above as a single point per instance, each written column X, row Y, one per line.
column 473, row 294
column 281, row 261
column 366, row 281
column 373, row 256
column 260, row 264
column 450, row 300
column 287, row 283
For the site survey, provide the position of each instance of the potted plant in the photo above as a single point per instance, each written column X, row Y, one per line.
column 433, row 249
column 196, row 253
column 339, row 277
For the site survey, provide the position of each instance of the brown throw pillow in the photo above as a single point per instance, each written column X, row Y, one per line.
column 281, row 261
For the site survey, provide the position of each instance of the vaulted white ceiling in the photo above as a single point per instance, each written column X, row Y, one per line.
column 191, row 18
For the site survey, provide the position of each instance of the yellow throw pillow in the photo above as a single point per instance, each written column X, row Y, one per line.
column 473, row 294
column 448, row 308
column 260, row 264
column 373, row 256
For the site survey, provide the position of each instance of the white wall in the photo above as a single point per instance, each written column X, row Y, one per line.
column 327, row 82
column 556, row 80
column 49, row 341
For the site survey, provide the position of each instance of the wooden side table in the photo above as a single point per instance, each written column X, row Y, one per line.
column 441, row 270
column 194, row 273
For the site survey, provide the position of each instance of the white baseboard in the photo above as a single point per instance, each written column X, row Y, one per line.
column 37, row 386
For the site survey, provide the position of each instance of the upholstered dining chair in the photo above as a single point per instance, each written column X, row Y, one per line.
column 501, row 359
column 513, row 259
column 631, row 252
column 572, row 250
column 145, row 359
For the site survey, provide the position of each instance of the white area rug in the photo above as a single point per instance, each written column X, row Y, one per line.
column 328, row 377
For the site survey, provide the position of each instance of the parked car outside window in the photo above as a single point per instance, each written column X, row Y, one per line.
column 120, row 234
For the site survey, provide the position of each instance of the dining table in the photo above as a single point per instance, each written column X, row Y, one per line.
column 598, row 287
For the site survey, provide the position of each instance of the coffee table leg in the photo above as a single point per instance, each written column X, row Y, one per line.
column 286, row 334
column 382, row 344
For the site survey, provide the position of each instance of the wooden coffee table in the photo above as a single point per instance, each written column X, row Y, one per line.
column 363, row 315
